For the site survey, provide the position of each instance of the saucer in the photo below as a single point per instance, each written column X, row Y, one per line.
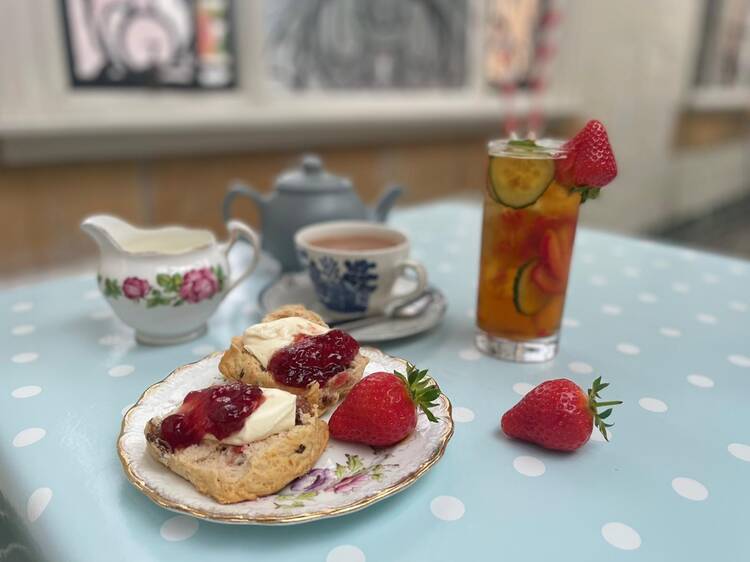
column 296, row 288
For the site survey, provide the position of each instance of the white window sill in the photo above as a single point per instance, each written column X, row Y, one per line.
column 719, row 98
column 105, row 125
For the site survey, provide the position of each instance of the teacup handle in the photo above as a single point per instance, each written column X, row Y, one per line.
column 238, row 230
column 403, row 266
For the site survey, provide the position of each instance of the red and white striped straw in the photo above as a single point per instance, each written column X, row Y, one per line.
column 544, row 52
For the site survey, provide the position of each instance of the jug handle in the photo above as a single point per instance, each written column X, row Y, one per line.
column 237, row 189
column 238, row 230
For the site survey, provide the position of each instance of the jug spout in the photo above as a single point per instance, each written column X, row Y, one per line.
column 384, row 205
column 106, row 230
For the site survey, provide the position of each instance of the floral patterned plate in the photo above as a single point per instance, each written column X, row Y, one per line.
column 346, row 478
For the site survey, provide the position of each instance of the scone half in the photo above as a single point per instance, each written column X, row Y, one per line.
column 232, row 474
column 239, row 364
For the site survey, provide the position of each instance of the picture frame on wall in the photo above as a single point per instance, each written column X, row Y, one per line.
column 176, row 44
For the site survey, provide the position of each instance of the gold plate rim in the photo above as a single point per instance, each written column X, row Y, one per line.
column 362, row 503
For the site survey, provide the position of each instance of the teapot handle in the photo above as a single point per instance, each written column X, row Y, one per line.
column 238, row 230
column 237, row 189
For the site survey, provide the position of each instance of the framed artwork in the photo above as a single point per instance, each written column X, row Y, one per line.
column 185, row 44
column 366, row 44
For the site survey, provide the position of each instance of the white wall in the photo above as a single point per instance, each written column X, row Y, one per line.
column 631, row 63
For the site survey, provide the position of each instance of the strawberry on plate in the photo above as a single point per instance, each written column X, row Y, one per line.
column 590, row 162
column 558, row 415
column 381, row 409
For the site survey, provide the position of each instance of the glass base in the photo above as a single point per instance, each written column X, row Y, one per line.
column 527, row 351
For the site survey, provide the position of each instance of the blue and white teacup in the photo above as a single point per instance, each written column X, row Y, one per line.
column 354, row 265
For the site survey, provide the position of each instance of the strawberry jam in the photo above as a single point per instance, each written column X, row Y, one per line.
column 219, row 410
column 313, row 358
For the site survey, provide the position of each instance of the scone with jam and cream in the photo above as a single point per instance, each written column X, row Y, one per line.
column 293, row 349
column 236, row 442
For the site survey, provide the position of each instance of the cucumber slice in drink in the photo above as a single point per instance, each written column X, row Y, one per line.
column 527, row 296
column 519, row 182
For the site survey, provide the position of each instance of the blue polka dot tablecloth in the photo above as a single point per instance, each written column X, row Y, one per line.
column 669, row 328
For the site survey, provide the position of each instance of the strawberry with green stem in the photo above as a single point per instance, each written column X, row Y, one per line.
column 559, row 415
column 381, row 409
column 590, row 162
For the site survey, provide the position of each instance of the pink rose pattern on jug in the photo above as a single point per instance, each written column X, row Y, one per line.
column 192, row 287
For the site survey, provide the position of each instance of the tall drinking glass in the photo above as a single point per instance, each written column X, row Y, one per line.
column 528, row 231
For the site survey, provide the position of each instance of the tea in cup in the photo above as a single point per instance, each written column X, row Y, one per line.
column 354, row 265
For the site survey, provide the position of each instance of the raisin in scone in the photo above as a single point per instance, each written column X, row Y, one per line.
column 293, row 349
column 237, row 442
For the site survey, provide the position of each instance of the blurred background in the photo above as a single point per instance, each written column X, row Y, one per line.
column 149, row 108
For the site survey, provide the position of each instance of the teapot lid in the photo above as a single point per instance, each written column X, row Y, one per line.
column 311, row 177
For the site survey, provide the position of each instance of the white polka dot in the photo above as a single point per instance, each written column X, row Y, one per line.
column 470, row 354
column 463, row 415
column 710, row 278
column 529, row 466
column 670, row 332
column 681, row 288
column 611, row 310
column 453, row 248
column 597, row 436
column 588, row 258
column 701, row 381
column 706, row 318
column 738, row 306
column 580, row 367
column 38, row 502
column 447, row 508
column 653, row 405
column 178, row 528
column 631, row 271
column 621, row 536
column 445, row 267
column 27, row 357
column 346, row 553
column 647, row 298
column 628, row 348
column 101, row 314
column 739, row 450
column 111, row 340
column 688, row 255
column 660, row 264
column 522, row 388
column 689, row 489
column 92, row 294
column 23, row 330
column 598, row 280
column 570, row 323
column 121, row 371
column 126, row 408
column 739, row 360
column 26, row 391
column 203, row 350
column 737, row 269
column 29, row 436
column 471, row 313
column 22, row 306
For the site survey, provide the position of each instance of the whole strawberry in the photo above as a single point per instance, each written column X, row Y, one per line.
column 381, row 409
column 590, row 163
column 558, row 415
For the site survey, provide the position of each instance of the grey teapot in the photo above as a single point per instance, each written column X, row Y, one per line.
column 303, row 196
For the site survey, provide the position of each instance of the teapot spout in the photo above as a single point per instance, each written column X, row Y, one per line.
column 239, row 189
column 387, row 199
column 106, row 230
